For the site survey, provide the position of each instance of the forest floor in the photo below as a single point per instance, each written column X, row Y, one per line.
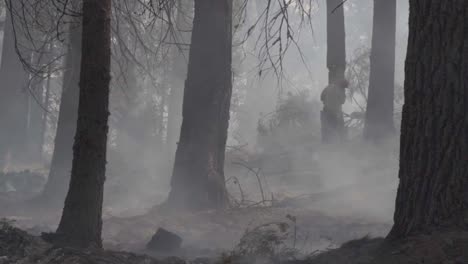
column 335, row 227
column 212, row 234
column 338, row 222
column 17, row 246
column 335, row 198
column 316, row 222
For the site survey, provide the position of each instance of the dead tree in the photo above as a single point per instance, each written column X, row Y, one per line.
column 432, row 194
column 333, row 96
column 379, row 122
column 81, row 222
column 198, row 178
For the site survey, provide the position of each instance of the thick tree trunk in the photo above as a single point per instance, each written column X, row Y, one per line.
column 198, row 177
column 333, row 129
column 434, row 145
column 178, row 72
column 59, row 174
column 81, row 222
column 13, row 99
column 379, row 115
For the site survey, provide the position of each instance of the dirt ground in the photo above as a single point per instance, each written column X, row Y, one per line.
column 17, row 246
column 210, row 233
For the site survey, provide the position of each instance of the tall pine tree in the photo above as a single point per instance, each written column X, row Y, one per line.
column 379, row 113
column 198, row 178
column 81, row 222
column 433, row 188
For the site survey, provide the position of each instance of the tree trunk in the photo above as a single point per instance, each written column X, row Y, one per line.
column 130, row 125
column 35, row 115
column 177, row 74
column 14, row 98
column 46, row 102
column 59, row 175
column 333, row 129
column 198, row 177
column 379, row 114
column 434, row 146
column 260, row 96
column 81, row 222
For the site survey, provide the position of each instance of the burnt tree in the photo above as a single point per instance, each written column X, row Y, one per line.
column 59, row 174
column 198, row 177
column 333, row 96
column 379, row 114
column 433, row 188
column 81, row 222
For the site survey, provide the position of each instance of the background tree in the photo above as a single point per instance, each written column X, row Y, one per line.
column 35, row 115
column 334, row 94
column 14, row 87
column 81, row 222
column 434, row 148
column 198, row 178
column 59, row 174
column 379, row 113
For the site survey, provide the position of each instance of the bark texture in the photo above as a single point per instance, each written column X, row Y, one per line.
column 433, row 190
column 81, row 222
column 379, row 114
column 198, row 177
column 59, row 175
column 333, row 129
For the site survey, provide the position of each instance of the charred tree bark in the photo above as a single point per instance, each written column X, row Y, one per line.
column 198, row 178
column 59, row 174
column 14, row 98
column 177, row 74
column 81, row 222
column 434, row 145
column 333, row 129
column 379, row 114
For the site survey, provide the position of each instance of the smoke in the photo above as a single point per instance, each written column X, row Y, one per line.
column 353, row 180
column 286, row 171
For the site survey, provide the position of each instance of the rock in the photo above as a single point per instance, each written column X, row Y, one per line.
column 3, row 259
column 17, row 246
column 164, row 241
column 203, row 261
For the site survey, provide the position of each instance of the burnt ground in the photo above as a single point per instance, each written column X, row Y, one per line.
column 210, row 233
column 436, row 248
column 355, row 205
column 17, row 246
column 315, row 223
